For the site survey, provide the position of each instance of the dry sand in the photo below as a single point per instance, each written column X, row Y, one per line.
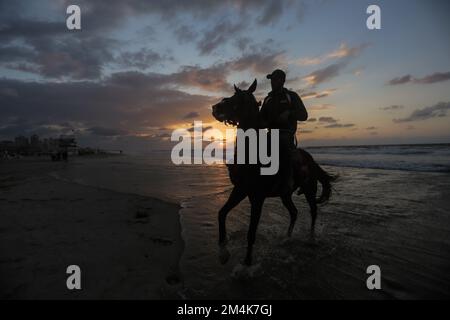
column 127, row 246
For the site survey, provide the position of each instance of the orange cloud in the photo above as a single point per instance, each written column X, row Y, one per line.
column 343, row 51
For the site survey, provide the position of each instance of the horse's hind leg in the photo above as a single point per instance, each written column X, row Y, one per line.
column 310, row 194
column 293, row 212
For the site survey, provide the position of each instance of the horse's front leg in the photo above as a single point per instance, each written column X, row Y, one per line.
column 257, row 204
column 234, row 199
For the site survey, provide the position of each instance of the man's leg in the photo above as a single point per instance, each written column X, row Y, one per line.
column 286, row 146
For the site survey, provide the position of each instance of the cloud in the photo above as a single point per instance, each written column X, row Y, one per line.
column 344, row 51
column 392, row 108
column 219, row 35
column 204, row 128
column 308, row 95
column 327, row 119
column 185, row 34
column 438, row 110
column 13, row 53
column 18, row 125
column 48, row 50
column 309, row 61
column 17, row 27
column 320, row 107
column 57, row 55
column 214, row 78
column 108, row 132
column 432, row 78
column 114, row 12
column 132, row 101
column 400, row 80
column 339, row 125
column 324, row 94
column 325, row 74
column 271, row 12
column 260, row 62
column 142, row 59
column 316, row 95
column 333, row 123
column 243, row 43
column 191, row 115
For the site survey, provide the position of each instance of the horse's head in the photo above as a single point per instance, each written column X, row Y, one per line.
column 240, row 110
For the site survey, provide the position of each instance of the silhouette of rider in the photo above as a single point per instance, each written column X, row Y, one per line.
column 281, row 110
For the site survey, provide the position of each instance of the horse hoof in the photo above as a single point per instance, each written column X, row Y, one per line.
column 224, row 255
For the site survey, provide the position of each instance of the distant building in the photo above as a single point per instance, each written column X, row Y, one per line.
column 22, row 145
column 34, row 141
column 21, row 142
column 62, row 146
column 35, row 145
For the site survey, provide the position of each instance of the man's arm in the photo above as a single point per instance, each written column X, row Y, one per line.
column 298, row 111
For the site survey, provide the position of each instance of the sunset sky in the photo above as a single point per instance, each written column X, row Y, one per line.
column 139, row 69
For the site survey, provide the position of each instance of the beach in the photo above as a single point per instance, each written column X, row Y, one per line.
column 127, row 246
column 141, row 227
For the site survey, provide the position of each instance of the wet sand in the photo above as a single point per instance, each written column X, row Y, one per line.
column 127, row 246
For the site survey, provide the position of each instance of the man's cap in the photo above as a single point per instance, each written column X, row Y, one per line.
column 277, row 74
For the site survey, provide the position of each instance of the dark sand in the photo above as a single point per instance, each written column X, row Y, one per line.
column 127, row 246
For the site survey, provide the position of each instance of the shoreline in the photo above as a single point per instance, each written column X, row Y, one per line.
column 128, row 246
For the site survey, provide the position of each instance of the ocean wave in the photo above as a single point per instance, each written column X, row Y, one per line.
column 427, row 158
column 402, row 166
column 440, row 150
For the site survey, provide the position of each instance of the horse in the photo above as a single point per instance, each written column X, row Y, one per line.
column 242, row 111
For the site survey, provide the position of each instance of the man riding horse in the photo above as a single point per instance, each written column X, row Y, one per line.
column 281, row 110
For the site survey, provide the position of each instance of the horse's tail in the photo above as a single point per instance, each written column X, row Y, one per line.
column 325, row 180
column 322, row 176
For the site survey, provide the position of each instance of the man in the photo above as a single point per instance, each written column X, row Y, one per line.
column 281, row 110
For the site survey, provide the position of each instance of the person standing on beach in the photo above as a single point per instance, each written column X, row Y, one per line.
column 281, row 110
